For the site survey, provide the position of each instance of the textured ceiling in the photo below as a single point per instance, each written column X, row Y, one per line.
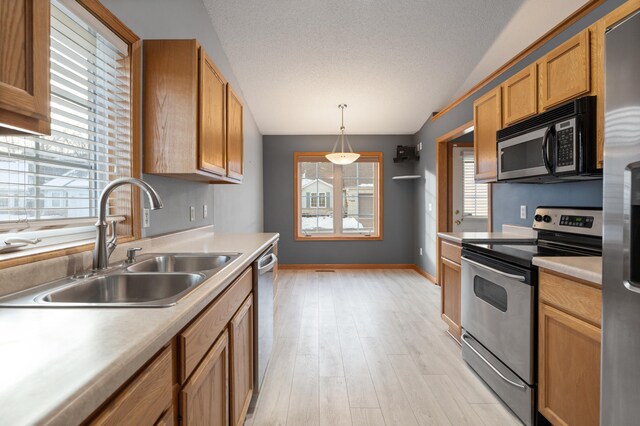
column 392, row 61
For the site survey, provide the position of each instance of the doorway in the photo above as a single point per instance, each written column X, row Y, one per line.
column 468, row 211
column 446, row 216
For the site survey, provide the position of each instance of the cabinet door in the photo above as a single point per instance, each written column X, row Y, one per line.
column 450, row 282
column 564, row 72
column 235, row 136
column 204, row 400
column 24, row 65
column 569, row 368
column 241, row 331
column 144, row 400
column 212, row 126
column 487, row 120
column 520, row 96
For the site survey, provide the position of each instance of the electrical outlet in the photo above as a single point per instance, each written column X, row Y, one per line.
column 192, row 213
column 146, row 218
column 523, row 211
column 204, row 211
column 430, row 206
column 420, row 251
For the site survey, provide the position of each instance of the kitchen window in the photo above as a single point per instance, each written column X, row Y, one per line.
column 50, row 185
column 336, row 202
column 475, row 195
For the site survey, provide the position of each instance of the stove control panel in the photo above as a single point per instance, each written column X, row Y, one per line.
column 586, row 221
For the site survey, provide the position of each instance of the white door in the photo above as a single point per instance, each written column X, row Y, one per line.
column 470, row 209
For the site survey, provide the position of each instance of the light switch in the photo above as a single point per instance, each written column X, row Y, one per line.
column 523, row 211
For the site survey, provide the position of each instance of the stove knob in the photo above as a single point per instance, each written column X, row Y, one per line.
column 546, row 218
column 538, row 218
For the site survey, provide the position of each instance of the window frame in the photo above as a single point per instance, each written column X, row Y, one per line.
column 131, row 228
column 298, row 157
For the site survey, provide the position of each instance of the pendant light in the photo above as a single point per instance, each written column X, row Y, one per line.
column 342, row 157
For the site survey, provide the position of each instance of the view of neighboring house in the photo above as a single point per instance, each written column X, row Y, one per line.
column 61, row 197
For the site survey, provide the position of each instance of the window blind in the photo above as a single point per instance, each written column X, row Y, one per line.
column 475, row 195
column 57, row 179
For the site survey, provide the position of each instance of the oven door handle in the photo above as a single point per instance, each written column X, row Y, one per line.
column 497, row 271
column 495, row 370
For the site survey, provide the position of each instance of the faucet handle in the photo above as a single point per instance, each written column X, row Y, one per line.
column 131, row 254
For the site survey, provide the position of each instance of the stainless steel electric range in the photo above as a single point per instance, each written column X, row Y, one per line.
column 499, row 301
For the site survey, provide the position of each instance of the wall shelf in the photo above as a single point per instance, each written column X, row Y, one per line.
column 406, row 177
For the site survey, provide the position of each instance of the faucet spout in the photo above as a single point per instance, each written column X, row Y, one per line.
column 101, row 251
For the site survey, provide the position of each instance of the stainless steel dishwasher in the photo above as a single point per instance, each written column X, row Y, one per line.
column 263, row 317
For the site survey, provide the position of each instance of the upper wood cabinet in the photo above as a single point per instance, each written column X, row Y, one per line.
column 520, row 96
column 565, row 71
column 487, row 119
column 187, row 116
column 235, row 138
column 241, row 333
column 24, row 67
column 213, row 134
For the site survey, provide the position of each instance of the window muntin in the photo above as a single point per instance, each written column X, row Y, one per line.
column 338, row 202
column 53, row 181
column 475, row 195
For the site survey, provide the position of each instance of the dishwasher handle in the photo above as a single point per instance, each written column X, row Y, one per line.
column 263, row 269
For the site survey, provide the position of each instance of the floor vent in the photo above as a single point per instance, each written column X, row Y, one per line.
column 325, row 270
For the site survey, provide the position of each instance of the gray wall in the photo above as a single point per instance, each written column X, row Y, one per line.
column 507, row 198
column 398, row 205
column 232, row 208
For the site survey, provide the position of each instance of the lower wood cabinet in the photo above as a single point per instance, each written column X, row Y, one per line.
column 450, row 280
column 569, row 344
column 241, row 332
column 204, row 400
column 145, row 399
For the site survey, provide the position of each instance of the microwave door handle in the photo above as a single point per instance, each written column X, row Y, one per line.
column 545, row 150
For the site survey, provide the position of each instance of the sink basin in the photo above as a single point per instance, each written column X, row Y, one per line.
column 144, row 290
column 184, row 262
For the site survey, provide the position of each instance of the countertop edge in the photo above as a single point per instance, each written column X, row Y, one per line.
column 569, row 267
column 81, row 405
column 497, row 237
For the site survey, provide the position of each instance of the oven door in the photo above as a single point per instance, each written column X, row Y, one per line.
column 498, row 310
column 525, row 156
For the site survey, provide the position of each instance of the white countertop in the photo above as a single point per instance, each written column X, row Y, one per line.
column 58, row 365
column 488, row 237
column 587, row 268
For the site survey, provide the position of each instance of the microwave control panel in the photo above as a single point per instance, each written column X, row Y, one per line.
column 564, row 142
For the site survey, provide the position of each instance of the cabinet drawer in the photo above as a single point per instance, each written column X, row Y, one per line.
column 200, row 335
column 576, row 298
column 450, row 251
column 145, row 399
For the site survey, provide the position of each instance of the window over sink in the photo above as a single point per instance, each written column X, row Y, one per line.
column 338, row 202
column 50, row 185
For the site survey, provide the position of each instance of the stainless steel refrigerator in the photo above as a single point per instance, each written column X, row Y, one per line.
column 620, row 374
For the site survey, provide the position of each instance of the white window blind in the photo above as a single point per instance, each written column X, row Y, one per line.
column 56, row 180
column 475, row 195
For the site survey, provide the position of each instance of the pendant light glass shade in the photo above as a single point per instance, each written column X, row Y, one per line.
column 342, row 157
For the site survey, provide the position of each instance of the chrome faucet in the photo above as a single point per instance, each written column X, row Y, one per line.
column 104, row 248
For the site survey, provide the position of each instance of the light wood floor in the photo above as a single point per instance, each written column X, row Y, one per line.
column 368, row 348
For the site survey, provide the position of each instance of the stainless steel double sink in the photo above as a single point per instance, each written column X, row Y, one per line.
column 155, row 280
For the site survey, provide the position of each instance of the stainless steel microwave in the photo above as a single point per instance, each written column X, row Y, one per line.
column 555, row 146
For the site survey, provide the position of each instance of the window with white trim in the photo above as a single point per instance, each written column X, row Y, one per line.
column 338, row 202
column 475, row 195
column 50, row 182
